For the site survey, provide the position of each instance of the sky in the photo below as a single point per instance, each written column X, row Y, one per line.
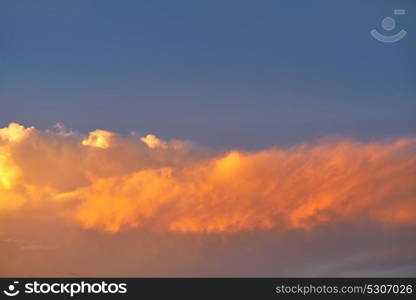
column 223, row 73
column 206, row 138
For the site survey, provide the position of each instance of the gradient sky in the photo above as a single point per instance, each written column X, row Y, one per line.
column 227, row 76
column 232, row 73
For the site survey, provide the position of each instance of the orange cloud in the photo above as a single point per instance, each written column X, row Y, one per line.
column 99, row 139
column 146, row 183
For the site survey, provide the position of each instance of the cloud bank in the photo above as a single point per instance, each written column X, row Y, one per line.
column 142, row 193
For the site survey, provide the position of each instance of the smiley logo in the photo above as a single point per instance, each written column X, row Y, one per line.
column 388, row 24
column 11, row 289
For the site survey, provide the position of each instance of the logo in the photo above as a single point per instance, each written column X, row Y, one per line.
column 389, row 24
column 68, row 288
column 11, row 291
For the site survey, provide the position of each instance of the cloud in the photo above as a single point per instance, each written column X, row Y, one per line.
column 146, row 188
column 98, row 138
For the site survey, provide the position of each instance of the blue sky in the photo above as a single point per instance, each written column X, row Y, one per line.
column 231, row 73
